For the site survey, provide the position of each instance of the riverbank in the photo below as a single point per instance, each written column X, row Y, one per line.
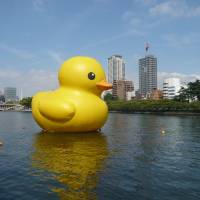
column 160, row 113
column 15, row 110
column 164, row 107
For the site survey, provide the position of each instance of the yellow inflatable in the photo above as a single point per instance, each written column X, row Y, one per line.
column 74, row 160
column 76, row 105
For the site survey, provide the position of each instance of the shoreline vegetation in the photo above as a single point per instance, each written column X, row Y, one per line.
column 171, row 107
column 186, row 103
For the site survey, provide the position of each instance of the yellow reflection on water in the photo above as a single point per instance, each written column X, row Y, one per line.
column 74, row 158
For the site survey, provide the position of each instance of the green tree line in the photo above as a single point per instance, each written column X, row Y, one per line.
column 26, row 102
column 188, row 100
column 153, row 106
column 189, row 93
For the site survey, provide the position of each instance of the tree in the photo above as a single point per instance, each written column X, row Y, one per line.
column 191, row 93
column 194, row 90
column 26, row 102
column 108, row 97
column 183, row 95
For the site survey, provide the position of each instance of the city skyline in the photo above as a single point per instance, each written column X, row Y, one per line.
column 41, row 34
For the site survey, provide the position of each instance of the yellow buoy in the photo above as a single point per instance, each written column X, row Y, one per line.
column 162, row 131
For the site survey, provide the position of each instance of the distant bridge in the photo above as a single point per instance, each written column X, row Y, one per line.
column 7, row 107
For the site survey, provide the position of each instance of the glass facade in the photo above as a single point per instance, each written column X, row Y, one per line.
column 10, row 94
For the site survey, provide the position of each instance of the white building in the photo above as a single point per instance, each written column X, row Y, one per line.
column 171, row 88
column 116, row 68
column 129, row 95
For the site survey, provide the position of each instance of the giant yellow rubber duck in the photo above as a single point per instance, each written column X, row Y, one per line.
column 76, row 105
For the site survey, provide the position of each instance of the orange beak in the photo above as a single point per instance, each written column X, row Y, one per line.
column 104, row 85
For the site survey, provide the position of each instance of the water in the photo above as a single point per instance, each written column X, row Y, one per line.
column 131, row 159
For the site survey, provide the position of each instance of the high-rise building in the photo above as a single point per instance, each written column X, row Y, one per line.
column 116, row 68
column 10, row 94
column 147, row 75
column 171, row 88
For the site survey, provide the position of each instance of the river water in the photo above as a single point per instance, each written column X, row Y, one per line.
column 137, row 156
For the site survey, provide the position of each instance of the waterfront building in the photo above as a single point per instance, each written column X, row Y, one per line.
column 171, row 88
column 138, row 95
column 116, row 68
column 123, row 89
column 10, row 94
column 156, row 94
column 129, row 95
column 147, row 75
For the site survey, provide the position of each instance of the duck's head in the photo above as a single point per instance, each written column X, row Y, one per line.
column 84, row 73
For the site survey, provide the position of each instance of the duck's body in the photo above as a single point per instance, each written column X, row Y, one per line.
column 70, row 109
column 85, row 112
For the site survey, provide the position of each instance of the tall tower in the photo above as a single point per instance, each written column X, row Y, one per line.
column 147, row 73
column 116, row 68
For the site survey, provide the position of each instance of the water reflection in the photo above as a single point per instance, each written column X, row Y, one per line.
column 74, row 159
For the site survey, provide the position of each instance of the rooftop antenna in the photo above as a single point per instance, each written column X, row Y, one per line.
column 146, row 47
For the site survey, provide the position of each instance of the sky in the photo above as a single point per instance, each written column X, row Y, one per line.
column 36, row 36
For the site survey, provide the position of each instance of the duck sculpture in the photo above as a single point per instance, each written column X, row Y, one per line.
column 76, row 106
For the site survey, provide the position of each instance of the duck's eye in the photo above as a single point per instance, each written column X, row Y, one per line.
column 91, row 76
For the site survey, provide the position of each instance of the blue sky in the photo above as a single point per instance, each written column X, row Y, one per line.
column 36, row 36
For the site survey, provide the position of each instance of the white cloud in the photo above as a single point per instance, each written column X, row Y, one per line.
column 141, row 23
column 39, row 5
column 144, row 2
column 175, row 8
column 134, row 21
column 31, row 81
column 184, row 40
column 10, row 74
column 185, row 78
column 56, row 57
column 115, row 37
column 101, row 1
column 36, row 80
column 17, row 52
column 127, row 15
